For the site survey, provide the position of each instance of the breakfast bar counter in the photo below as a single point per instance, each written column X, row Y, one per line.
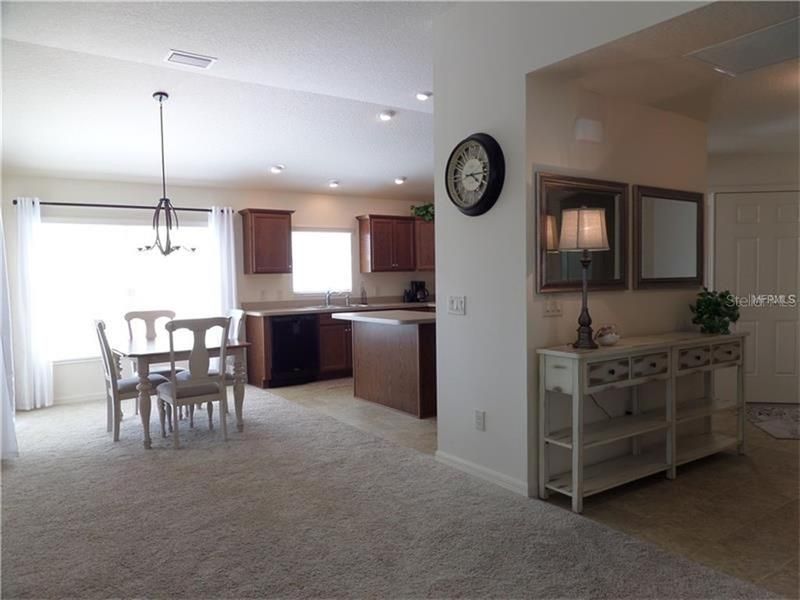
column 394, row 359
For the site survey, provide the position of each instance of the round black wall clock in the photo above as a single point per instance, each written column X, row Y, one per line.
column 475, row 173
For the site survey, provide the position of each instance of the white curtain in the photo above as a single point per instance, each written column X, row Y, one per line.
column 34, row 373
column 9, row 435
column 220, row 222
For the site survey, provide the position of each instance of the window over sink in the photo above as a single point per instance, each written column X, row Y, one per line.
column 322, row 261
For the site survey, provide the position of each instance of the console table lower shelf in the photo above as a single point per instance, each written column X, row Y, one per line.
column 609, row 474
column 574, row 375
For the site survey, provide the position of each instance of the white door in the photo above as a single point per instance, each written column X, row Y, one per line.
column 756, row 253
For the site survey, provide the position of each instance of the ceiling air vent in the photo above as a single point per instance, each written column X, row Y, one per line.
column 190, row 59
column 755, row 50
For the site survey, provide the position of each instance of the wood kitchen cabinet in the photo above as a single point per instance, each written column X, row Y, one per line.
column 387, row 243
column 425, row 245
column 335, row 347
column 267, row 236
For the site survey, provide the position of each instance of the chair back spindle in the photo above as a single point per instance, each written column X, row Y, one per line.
column 150, row 317
column 199, row 371
column 109, row 364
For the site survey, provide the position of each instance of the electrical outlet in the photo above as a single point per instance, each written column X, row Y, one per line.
column 552, row 308
column 480, row 420
column 457, row 305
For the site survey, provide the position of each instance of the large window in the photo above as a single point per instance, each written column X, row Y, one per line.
column 322, row 261
column 94, row 271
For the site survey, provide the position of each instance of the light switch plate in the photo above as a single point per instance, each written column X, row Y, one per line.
column 480, row 420
column 457, row 305
column 552, row 308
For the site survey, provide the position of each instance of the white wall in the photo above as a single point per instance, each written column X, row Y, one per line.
column 641, row 145
column 80, row 380
column 761, row 170
column 482, row 54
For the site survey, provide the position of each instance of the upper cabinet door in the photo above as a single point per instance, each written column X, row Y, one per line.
column 403, row 245
column 387, row 243
column 426, row 247
column 267, row 241
column 381, row 235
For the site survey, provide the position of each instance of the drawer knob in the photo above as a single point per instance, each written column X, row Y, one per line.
column 611, row 371
column 698, row 357
column 653, row 365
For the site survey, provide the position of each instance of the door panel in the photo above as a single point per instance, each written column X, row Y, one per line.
column 425, row 245
column 404, row 245
column 333, row 348
column 756, row 253
column 272, row 244
column 381, row 231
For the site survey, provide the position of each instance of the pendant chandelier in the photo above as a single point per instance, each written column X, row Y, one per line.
column 165, row 218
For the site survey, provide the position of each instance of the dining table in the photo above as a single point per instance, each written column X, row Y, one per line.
column 149, row 352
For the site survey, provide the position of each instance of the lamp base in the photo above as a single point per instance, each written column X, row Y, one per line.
column 585, row 338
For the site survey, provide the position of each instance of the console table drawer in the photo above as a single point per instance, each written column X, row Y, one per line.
column 690, row 358
column 609, row 371
column 558, row 374
column 650, row 364
column 726, row 352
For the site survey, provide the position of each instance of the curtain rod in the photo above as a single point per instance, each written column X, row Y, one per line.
column 128, row 206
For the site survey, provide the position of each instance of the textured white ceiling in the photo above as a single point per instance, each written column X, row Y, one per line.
column 296, row 83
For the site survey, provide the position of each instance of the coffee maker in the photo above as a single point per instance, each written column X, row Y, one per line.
column 419, row 293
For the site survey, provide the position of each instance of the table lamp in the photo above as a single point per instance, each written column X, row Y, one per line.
column 551, row 234
column 584, row 230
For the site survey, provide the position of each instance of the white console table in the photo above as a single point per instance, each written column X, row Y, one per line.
column 632, row 362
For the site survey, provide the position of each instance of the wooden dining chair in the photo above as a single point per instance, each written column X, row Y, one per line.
column 200, row 382
column 150, row 319
column 235, row 334
column 118, row 389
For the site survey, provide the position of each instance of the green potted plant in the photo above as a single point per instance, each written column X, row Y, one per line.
column 423, row 211
column 714, row 311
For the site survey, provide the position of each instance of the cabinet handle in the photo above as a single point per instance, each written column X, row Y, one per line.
column 653, row 365
column 611, row 372
column 557, row 388
column 698, row 357
column 559, row 366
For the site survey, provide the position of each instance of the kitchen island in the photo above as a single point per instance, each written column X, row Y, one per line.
column 394, row 359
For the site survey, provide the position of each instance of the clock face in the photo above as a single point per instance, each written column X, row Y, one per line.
column 467, row 174
column 475, row 174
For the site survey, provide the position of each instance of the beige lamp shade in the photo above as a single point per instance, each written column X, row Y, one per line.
column 551, row 233
column 583, row 229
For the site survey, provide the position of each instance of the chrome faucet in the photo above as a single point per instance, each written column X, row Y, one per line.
column 328, row 296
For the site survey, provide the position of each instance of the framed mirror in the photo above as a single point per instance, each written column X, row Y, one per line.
column 668, row 238
column 559, row 269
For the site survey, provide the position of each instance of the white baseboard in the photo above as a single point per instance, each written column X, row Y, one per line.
column 77, row 398
column 504, row 481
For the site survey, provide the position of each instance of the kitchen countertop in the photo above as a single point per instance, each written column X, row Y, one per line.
column 389, row 317
column 309, row 310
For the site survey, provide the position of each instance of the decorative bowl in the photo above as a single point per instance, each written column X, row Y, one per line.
column 607, row 335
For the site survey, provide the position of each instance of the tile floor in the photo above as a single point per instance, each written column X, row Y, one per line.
column 738, row 514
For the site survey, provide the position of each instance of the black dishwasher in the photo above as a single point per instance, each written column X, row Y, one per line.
column 295, row 349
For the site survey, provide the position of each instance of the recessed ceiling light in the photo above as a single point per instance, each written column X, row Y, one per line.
column 333, row 183
column 386, row 115
column 277, row 169
column 190, row 59
column 399, row 180
column 423, row 96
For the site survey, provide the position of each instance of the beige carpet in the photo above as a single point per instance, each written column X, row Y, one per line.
column 299, row 505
